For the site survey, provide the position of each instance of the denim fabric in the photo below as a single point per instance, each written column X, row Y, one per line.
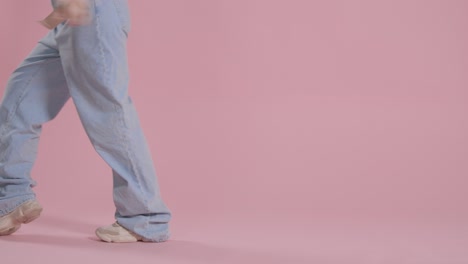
column 88, row 64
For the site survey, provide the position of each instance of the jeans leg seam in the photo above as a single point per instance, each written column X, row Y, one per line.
column 101, row 48
column 125, row 145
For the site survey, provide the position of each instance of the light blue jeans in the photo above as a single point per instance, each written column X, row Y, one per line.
column 89, row 64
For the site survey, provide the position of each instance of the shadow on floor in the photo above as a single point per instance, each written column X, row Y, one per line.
column 176, row 250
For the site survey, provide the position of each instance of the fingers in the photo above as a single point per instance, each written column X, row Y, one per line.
column 75, row 11
column 52, row 20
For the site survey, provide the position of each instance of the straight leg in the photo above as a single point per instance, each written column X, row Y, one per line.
column 94, row 60
column 35, row 93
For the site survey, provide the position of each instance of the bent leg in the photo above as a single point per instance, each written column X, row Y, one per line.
column 35, row 93
column 95, row 64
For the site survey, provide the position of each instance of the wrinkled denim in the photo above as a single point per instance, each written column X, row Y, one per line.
column 89, row 64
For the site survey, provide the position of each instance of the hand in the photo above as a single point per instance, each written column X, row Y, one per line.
column 75, row 11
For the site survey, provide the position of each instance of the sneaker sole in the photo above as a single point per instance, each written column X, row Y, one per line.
column 116, row 238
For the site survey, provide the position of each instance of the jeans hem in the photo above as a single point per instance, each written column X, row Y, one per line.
column 8, row 210
column 160, row 239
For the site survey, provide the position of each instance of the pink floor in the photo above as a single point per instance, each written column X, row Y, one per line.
column 260, row 238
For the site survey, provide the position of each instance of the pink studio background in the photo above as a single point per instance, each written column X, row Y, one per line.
column 274, row 114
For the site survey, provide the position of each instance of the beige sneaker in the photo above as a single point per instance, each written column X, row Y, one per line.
column 23, row 214
column 117, row 233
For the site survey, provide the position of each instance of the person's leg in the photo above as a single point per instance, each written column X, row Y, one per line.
column 95, row 64
column 35, row 93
